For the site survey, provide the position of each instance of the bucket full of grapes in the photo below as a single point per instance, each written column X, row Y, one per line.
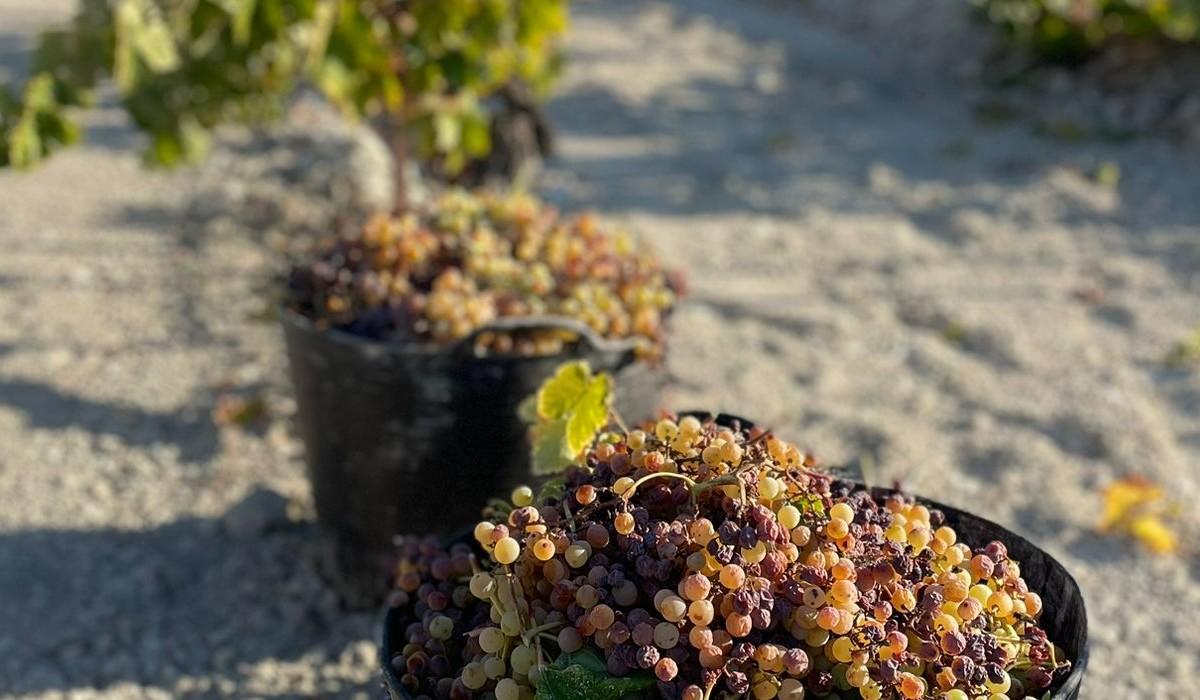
column 741, row 570
column 412, row 345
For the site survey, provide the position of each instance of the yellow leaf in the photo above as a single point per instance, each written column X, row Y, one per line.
column 560, row 394
column 572, row 408
column 1125, row 496
column 590, row 414
column 1138, row 507
column 1151, row 531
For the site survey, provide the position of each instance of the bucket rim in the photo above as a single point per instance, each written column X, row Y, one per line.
column 590, row 341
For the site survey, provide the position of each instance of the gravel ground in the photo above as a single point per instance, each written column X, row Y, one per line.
column 877, row 271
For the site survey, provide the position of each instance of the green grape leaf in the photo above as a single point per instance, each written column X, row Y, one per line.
column 182, row 67
column 553, row 488
column 24, row 144
column 550, row 454
column 572, row 408
column 37, row 124
column 810, row 505
column 583, row 676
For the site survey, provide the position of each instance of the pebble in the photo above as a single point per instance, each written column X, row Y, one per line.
column 257, row 514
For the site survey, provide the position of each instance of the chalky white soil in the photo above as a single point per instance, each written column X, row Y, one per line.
column 876, row 272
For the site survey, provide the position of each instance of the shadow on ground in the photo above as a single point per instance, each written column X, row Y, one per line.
column 152, row 607
column 47, row 408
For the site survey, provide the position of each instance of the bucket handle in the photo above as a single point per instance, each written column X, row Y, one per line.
column 618, row 353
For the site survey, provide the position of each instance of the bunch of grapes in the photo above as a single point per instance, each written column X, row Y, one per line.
column 439, row 612
column 441, row 273
column 720, row 560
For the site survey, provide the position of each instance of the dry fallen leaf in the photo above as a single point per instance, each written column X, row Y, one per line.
column 234, row 410
column 1138, row 507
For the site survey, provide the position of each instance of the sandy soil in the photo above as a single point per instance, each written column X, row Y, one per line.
column 880, row 270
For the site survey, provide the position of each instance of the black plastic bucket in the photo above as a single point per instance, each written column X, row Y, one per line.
column 415, row 439
column 1064, row 615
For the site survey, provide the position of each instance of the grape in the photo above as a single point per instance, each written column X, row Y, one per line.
column 507, row 550
column 507, row 689
column 473, row 676
column 712, row 658
column 569, row 640
column 842, row 511
column 666, row 669
column 482, row 584
column 700, row 612
column 483, row 532
column 601, row 617
column 625, row 594
column 577, row 554
column 491, row 640
column 673, row 608
column 732, row 576
column 666, row 635
column 919, row 538
column 585, row 494
column 494, row 667
column 587, row 596
column 543, row 549
column 522, row 659
column 1000, row 604
column 510, row 623
column 700, row 637
column 789, row 517
column 844, row 591
column 738, row 625
column 911, row 686
column 791, row 689
column 721, row 587
column 522, row 496
column 841, row 649
column 441, row 627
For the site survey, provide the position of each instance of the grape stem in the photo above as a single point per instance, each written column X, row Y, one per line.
column 612, row 412
column 696, row 487
column 541, row 660
column 666, row 475
column 528, row 635
column 759, row 438
column 567, row 511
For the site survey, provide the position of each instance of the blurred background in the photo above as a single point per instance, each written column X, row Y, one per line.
column 948, row 244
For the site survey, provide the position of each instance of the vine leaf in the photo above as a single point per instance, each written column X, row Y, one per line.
column 571, row 409
column 551, row 453
column 34, row 125
column 583, row 676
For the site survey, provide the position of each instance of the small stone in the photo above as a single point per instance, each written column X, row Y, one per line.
column 260, row 512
